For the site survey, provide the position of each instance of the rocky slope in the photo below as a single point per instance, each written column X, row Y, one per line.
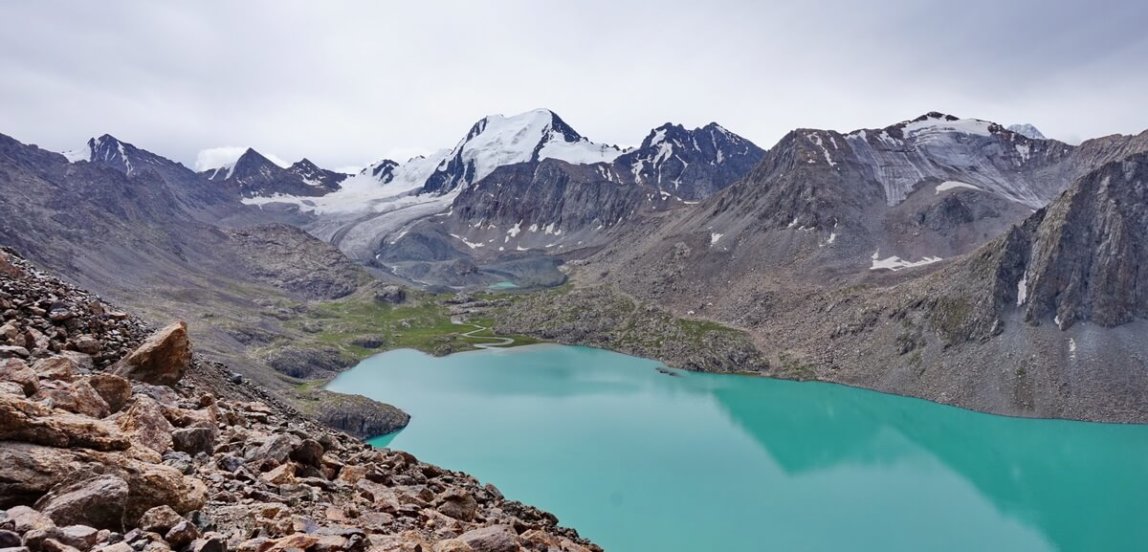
column 1039, row 321
column 157, row 451
column 688, row 164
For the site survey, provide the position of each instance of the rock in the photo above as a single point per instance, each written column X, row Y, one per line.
column 53, row 545
column 115, row 391
column 276, row 449
column 25, row 421
column 160, row 519
column 77, row 397
column 369, row 341
column 282, row 475
column 117, row 547
column 161, row 360
column 97, row 502
column 9, row 351
column 79, row 536
column 15, row 371
column 210, row 543
column 84, row 362
column 57, row 368
column 308, row 453
column 194, row 440
column 458, row 505
column 182, row 534
column 85, row 344
column 25, row 519
column 9, row 539
column 393, row 295
column 145, row 422
column 496, row 538
column 9, row 332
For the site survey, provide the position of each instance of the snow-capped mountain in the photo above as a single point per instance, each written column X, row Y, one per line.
column 255, row 175
column 689, row 164
column 497, row 141
column 1028, row 131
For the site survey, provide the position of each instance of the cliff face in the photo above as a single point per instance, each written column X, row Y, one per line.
column 1089, row 256
column 161, row 451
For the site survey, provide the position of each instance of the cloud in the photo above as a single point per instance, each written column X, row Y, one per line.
column 344, row 82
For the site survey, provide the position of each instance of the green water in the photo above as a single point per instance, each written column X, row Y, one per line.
column 505, row 284
column 639, row 461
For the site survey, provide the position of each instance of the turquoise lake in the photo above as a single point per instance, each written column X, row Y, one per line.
column 637, row 460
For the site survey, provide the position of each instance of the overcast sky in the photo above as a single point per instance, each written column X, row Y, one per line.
column 347, row 83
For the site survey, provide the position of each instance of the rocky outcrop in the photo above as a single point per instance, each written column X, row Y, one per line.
column 357, row 415
column 309, row 363
column 290, row 259
column 161, row 360
column 201, row 464
column 1088, row 259
column 603, row 317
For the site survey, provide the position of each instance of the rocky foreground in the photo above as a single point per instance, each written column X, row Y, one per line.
column 106, row 447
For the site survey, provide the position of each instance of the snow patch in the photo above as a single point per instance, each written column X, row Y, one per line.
column 952, row 185
column 933, row 125
column 471, row 245
column 1022, row 290
column 514, row 230
column 896, row 263
column 714, row 237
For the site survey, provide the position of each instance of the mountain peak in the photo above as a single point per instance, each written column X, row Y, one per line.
column 1028, row 131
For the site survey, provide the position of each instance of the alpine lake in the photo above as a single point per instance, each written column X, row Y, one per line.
column 638, row 457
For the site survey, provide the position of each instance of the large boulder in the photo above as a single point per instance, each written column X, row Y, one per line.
column 78, row 397
column 161, row 360
column 14, row 370
column 98, row 502
column 26, row 421
column 145, row 423
column 113, row 389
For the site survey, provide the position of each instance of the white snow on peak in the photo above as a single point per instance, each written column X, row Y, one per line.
column 896, row 263
column 502, row 140
column 933, row 125
column 1028, row 131
column 952, row 185
column 816, row 139
column 82, row 153
column 714, row 237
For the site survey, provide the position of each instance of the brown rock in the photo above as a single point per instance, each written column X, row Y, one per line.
column 57, row 368
column 284, row 474
column 10, row 388
column 97, row 502
column 16, row 371
column 161, row 360
column 9, row 351
column 25, row 421
column 79, row 536
column 53, row 545
column 458, row 504
column 194, row 440
column 117, row 547
column 182, row 534
column 145, row 422
column 86, row 344
column 159, row 519
column 115, row 391
column 77, row 397
column 26, row 519
column 496, row 538
column 297, row 541
column 308, row 453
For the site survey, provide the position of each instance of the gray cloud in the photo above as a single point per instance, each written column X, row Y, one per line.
column 345, row 83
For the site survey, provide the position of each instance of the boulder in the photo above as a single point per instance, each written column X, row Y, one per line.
column 77, row 397
column 194, row 440
column 182, row 534
column 161, row 360
column 145, row 422
column 113, row 389
column 496, row 538
column 308, row 453
column 57, row 368
column 26, row 519
column 13, row 351
column 15, row 371
column 459, row 505
column 98, row 502
column 159, row 519
column 85, row 344
column 25, row 421
column 79, row 536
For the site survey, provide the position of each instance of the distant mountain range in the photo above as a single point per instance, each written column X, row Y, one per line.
column 937, row 256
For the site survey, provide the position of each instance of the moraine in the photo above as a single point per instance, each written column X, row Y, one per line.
column 637, row 460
